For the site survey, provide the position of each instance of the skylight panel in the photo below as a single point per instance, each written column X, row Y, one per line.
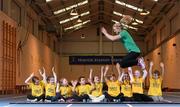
column 129, row 6
column 77, row 25
column 74, row 17
column 120, row 14
column 70, row 7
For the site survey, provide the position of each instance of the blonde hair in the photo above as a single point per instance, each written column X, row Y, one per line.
column 127, row 19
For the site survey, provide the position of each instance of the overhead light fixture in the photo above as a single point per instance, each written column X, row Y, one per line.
column 70, row 7
column 48, row 0
column 77, row 26
column 83, row 36
column 74, row 17
column 134, row 23
column 155, row 0
column 79, row 19
column 74, row 12
column 144, row 12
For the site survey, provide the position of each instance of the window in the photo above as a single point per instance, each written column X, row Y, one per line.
column 174, row 24
column 15, row 11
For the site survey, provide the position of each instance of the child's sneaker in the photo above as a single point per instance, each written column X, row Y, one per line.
column 28, row 100
column 141, row 63
column 61, row 100
column 48, row 101
column 32, row 101
column 70, row 100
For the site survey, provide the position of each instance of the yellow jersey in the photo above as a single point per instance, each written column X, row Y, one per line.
column 126, row 89
column 113, row 88
column 98, row 89
column 50, row 89
column 83, row 89
column 137, row 85
column 36, row 90
column 155, row 87
column 66, row 91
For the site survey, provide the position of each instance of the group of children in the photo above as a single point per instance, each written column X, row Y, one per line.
column 127, row 86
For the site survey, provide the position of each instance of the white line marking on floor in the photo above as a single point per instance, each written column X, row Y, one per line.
column 129, row 105
column 12, row 97
column 172, row 96
column 69, row 105
column 9, row 105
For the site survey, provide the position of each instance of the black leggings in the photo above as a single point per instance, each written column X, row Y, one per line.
column 129, row 60
column 142, row 97
column 80, row 98
column 111, row 98
column 41, row 97
column 54, row 98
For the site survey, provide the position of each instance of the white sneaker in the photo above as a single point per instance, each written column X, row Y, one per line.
column 28, row 100
column 95, row 100
column 141, row 63
column 40, row 100
column 35, row 100
column 48, row 101
column 61, row 100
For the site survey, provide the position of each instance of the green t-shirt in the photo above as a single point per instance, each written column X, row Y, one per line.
column 128, row 42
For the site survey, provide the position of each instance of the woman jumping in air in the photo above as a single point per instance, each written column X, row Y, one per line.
column 131, row 58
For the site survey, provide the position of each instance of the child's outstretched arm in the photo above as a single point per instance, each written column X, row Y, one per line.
column 119, row 71
column 111, row 37
column 121, row 77
column 54, row 74
column 130, row 74
column 43, row 74
column 90, row 73
column 144, row 74
column 162, row 68
column 150, row 69
column 27, row 80
column 57, row 87
column 102, row 71
column 106, row 69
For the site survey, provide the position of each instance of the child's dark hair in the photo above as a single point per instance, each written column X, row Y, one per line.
column 80, row 78
column 113, row 75
column 48, row 78
column 156, row 72
column 34, row 78
column 94, row 77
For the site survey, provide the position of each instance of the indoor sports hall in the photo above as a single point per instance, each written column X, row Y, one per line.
column 83, row 53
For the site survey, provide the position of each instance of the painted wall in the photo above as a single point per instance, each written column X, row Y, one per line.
column 33, row 55
column 169, row 54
